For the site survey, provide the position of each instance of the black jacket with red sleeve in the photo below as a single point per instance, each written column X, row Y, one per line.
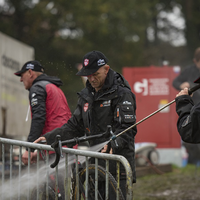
column 49, row 107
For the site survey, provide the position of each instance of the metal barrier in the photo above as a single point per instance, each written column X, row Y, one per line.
column 18, row 180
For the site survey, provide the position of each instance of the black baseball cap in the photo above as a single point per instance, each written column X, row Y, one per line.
column 33, row 65
column 92, row 61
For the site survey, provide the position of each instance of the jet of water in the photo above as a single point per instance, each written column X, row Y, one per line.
column 26, row 182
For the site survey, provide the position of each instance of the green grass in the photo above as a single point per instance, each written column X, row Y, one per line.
column 180, row 184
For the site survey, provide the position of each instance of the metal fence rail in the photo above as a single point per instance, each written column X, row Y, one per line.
column 18, row 181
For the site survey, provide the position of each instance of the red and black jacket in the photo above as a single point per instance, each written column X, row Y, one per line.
column 49, row 107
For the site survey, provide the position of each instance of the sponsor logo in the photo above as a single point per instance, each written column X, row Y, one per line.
column 127, row 102
column 86, row 62
column 128, row 116
column 101, row 62
column 105, row 103
column 33, row 95
column 34, row 102
column 85, row 108
column 29, row 66
column 141, row 87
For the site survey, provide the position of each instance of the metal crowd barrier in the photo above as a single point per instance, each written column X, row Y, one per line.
column 17, row 181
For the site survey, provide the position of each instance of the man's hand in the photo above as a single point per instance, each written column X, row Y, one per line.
column 32, row 154
column 104, row 150
column 25, row 157
column 114, row 149
column 184, row 85
column 34, row 157
column 183, row 92
column 117, row 145
column 39, row 139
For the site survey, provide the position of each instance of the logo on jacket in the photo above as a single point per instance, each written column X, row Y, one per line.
column 34, row 102
column 127, row 102
column 105, row 103
column 85, row 108
column 86, row 62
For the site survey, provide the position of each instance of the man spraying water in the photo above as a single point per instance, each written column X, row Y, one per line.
column 106, row 100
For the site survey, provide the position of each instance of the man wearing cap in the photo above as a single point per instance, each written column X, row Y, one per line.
column 49, row 107
column 188, row 75
column 106, row 100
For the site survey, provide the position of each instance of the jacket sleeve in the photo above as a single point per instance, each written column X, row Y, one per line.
column 73, row 128
column 124, row 117
column 188, row 124
column 37, row 98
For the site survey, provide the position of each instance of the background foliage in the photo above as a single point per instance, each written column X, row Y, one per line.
column 129, row 33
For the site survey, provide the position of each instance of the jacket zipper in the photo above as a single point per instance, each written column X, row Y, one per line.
column 105, row 94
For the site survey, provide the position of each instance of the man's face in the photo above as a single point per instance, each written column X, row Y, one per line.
column 26, row 79
column 98, row 78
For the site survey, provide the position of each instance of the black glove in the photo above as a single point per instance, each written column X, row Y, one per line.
column 51, row 136
column 117, row 145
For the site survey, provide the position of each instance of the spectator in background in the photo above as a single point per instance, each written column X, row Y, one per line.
column 185, row 80
column 49, row 107
column 188, row 75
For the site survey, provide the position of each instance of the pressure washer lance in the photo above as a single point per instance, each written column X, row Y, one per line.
column 190, row 91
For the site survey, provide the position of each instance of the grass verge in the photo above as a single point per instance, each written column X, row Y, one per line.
column 180, row 184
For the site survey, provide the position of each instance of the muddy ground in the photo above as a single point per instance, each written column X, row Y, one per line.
column 180, row 184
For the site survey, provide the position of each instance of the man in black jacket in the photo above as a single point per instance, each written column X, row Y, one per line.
column 189, row 117
column 106, row 100
column 185, row 80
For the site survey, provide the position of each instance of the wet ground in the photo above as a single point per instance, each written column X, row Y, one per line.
column 180, row 184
